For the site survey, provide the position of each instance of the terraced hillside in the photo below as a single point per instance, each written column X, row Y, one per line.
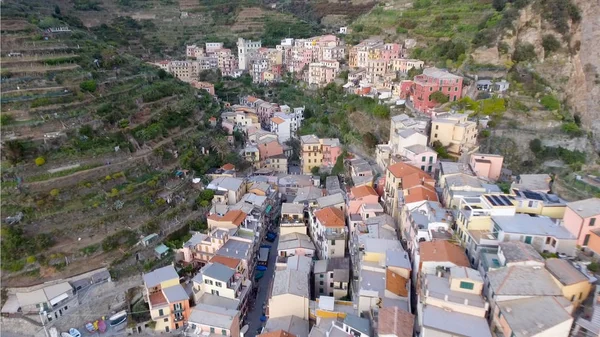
column 92, row 139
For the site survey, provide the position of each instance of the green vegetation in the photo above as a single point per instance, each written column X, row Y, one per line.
column 6, row 119
column 594, row 267
column 89, row 85
column 39, row 161
column 16, row 246
column 572, row 129
column 524, row 52
column 275, row 30
column 124, row 238
column 573, row 158
column 550, row 44
column 439, row 97
column 560, row 12
column 550, row 102
column 205, row 197
column 441, row 150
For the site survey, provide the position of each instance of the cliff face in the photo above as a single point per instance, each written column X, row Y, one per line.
column 573, row 72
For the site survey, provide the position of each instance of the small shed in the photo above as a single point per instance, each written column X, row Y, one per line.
column 484, row 85
column 161, row 250
column 148, row 240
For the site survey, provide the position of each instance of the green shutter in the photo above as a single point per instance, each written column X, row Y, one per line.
column 466, row 285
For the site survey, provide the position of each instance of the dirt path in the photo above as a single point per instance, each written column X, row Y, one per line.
column 121, row 165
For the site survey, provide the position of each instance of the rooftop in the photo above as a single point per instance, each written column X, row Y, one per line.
column 532, row 316
column 451, row 167
column 463, row 179
column 288, row 207
column 418, row 149
column 466, row 273
column 213, row 316
column 397, row 258
column 361, row 324
column 308, row 193
column 300, row 263
column 533, row 182
column 227, row 261
column 331, row 217
column 517, row 251
column 175, row 293
column 292, row 324
column 362, row 191
column 532, row 225
column 565, row 272
column 586, row 208
column 218, row 271
column 440, row 74
column 522, row 281
column 442, row 251
column 226, row 183
column 277, row 333
column 295, row 241
column 455, row 323
column 439, row 287
column 235, row 217
column 330, row 200
column 235, row 248
column 395, row 321
column 291, row 281
column 219, row 301
column 309, row 139
column 155, row 277
column 376, row 245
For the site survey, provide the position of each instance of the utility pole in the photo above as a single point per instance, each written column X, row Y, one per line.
column 43, row 322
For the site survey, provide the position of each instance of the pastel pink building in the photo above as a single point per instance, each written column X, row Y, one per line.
column 487, row 165
column 581, row 217
column 269, row 149
column 359, row 196
column 432, row 80
column 331, row 151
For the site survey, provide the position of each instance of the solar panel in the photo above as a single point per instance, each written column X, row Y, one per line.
column 533, row 195
column 492, row 201
column 505, row 199
column 498, row 200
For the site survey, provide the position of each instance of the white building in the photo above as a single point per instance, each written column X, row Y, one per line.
column 247, row 49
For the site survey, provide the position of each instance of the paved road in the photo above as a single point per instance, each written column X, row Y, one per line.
column 254, row 314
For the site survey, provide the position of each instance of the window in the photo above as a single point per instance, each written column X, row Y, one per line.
column 435, row 136
column 212, row 330
column 586, row 240
column 160, row 312
column 431, row 160
column 592, row 221
column 166, row 320
column 528, row 239
column 320, row 290
column 218, row 284
column 466, row 285
column 331, row 284
column 423, row 158
column 333, row 242
column 422, row 168
column 321, row 283
column 177, row 307
column 206, row 281
column 224, row 332
column 214, row 292
column 321, row 276
column 572, row 298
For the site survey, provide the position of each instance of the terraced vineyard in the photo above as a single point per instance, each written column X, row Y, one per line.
column 91, row 140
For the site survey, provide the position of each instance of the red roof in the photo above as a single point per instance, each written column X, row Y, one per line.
column 331, row 217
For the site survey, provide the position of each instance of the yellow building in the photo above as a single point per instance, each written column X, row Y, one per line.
column 167, row 300
column 312, row 155
column 575, row 286
column 454, row 132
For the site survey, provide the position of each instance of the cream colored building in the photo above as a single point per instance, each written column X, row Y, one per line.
column 290, row 294
column 292, row 219
column 454, row 132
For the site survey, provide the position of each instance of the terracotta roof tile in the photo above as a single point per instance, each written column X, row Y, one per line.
column 331, row 217
column 236, row 217
column 409, row 174
column 277, row 333
column 440, row 251
column 362, row 191
column 420, row 193
column 227, row 261
column 228, row 167
column 277, row 120
column 396, row 322
column 395, row 283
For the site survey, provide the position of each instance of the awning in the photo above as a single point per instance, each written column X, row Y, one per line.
column 59, row 298
column 269, row 207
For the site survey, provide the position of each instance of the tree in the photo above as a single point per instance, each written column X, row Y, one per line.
column 294, row 143
column 381, row 111
column 89, row 85
column 338, row 168
column 535, row 145
column 498, row 5
column 162, row 74
column 14, row 151
column 550, row 44
column 315, row 170
column 39, row 161
column 439, row 97
column 221, row 146
column 57, row 10
column 412, row 72
column 55, row 192
column 524, row 52
column 370, row 140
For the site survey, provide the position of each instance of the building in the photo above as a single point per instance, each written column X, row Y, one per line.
column 322, row 73
column 405, row 184
column 167, row 299
column 319, row 152
column 281, row 126
column 420, row 156
column 454, row 132
column 352, row 325
column 227, row 190
column 329, row 232
column 589, row 325
column 360, row 196
column 290, row 295
column 488, row 166
column 295, row 325
column 50, row 302
column 292, row 219
column 580, row 219
column 433, row 80
column 575, row 286
column 457, row 293
column 247, row 50
column 395, row 322
column 295, row 244
column 439, row 254
column 201, row 248
column 511, row 253
column 542, row 233
column 230, row 220
column 209, row 320
column 332, row 277
column 532, row 182
column 278, row 163
column 425, row 221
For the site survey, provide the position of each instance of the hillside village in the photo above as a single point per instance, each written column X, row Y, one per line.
column 428, row 236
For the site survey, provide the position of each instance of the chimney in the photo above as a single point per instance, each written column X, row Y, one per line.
column 466, row 301
column 446, row 298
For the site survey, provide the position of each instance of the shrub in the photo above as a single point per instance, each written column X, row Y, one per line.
column 6, row 119
column 594, row 267
column 39, row 161
column 524, row 52
column 439, row 97
column 89, row 85
column 550, row 44
column 315, row 170
column 31, row 259
column 381, row 111
column 572, row 129
column 550, row 102
column 498, row 4
column 54, row 192
column 535, row 145
column 370, row 140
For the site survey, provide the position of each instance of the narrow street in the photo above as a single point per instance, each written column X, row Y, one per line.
column 262, row 296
